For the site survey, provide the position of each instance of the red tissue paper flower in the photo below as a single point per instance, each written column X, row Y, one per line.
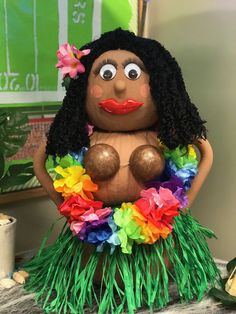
column 75, row 206
column 158, row 206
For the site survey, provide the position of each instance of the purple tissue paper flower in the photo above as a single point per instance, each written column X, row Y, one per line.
column 96, row 231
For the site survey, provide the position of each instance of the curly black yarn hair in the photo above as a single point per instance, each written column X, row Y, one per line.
column 179, row 123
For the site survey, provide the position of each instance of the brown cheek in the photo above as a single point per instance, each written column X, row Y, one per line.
column 144, row 90
column 96, row 91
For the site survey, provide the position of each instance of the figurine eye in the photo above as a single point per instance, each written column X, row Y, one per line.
column 132, row 71
column 107, row 72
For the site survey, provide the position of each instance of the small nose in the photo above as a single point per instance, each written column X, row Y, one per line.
column 119, row 86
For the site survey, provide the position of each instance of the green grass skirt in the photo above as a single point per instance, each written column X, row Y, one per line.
column 62, row 285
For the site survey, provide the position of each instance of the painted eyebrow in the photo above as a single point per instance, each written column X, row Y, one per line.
column 102, row 63
column 136, row 61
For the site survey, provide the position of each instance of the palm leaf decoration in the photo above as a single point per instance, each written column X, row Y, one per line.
column 14, row 130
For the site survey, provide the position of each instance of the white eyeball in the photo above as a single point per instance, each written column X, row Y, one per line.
column 107, row 72
column 132, row 71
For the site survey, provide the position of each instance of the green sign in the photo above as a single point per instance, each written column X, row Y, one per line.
column 31, row 32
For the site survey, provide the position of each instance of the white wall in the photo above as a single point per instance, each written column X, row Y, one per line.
column 34, row 218
column 201, row 35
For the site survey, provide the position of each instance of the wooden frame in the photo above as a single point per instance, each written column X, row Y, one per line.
column 142, row 12
column 11, row 197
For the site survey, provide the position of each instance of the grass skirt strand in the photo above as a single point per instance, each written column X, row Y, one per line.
column 63, row 286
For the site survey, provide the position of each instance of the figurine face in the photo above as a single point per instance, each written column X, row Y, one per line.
column 118, row 94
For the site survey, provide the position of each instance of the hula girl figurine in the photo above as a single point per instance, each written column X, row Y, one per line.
column 126, row 173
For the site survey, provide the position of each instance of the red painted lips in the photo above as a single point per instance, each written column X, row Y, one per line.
column 114, row 107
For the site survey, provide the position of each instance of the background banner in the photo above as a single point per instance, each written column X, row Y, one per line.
column 31, row 32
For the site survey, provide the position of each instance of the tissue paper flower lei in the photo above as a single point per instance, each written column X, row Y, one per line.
column 141, row 222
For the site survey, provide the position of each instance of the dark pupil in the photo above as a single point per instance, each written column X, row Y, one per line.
column 107, row 75
column 133, row 74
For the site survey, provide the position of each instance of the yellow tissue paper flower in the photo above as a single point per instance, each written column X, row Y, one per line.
column 74, row 181
column 191, row 151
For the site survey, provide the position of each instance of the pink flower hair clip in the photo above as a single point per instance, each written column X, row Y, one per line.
column 69, row 60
